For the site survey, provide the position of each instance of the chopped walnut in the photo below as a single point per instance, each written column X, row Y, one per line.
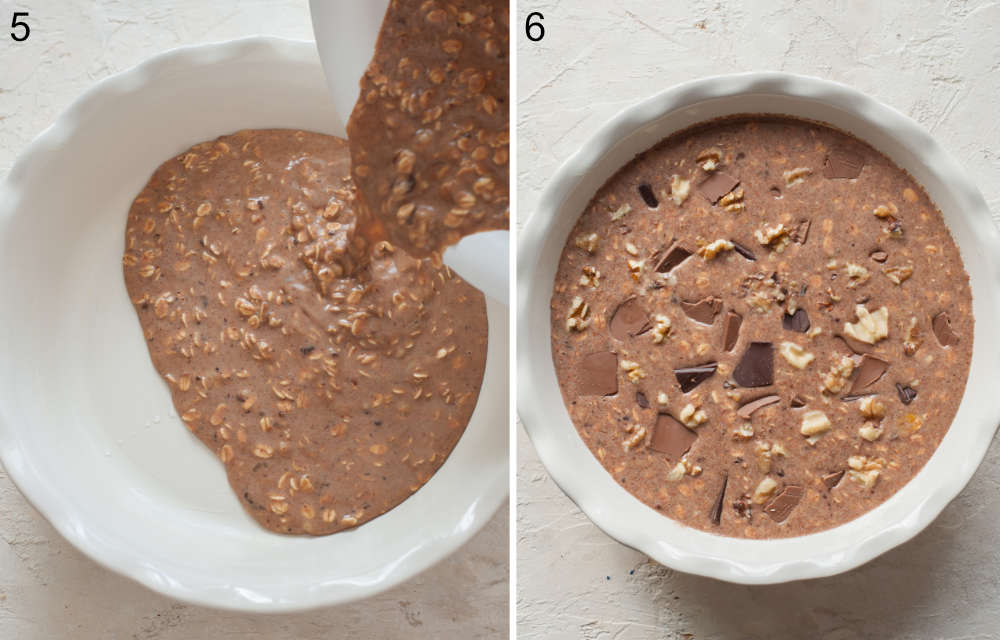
column 864, row 470
column 661, row 328
column 635, row 268
column 676, row 472
column 713, row 249
column 763, row 453
column 870, row 327
column 909, row 424
column 870, row 431
column 637, row 437
column 871, row 407
column 884, row 211
column 634, row 371
column 631, row 249
column 680, row 189
column 764, row 490
column 795, row 355
column 587, row 242
column 591, row 277
column 814, row 423
column 775, row 237
column 577, row 319
column 743, row 432
column 692, row 416
column 778, row 449
column 733, row 201
column 898, row 274
column 913, row 340
column 621, row 212
column 709, row 159
column 796, row 175
column 661, row 399
column 856, row 274
column 836, row 378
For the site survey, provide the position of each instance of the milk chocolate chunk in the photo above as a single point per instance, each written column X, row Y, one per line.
column 907, row 394
column 641, row 400
column 878, row 255
column 690, row 377
column 630, row 319
column 670, row 437
column 756, row 367
column 782, row 505
column 832, row 479
column 942, row 329
column 716, row 514
column 743, row 251
column 676, row 255
column 798, row 321
column 717, row 185
column 599, row 374
column 868, row 373
column 801, row 233
column 797, row 402
column 648, row 196
column 747, row 409
column 855, row 345
column 843, row 164
column 704, row 310
column 731, row 333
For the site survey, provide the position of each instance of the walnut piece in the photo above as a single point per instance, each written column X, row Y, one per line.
column 775, row 237
column 743, row 432
column 913, row 340
column 661, row 328
column 709, row 159
column 587, row 242
column 856, row 274
column 795, row 355
column 637, row 437
column 680, row 189
column 635, row 268
column 621, row 212
column 870, row 431
column 713, row 249
column 886, row 211
column 835, row 379
column 796, row 176
column 871, row 407
column 814, row 423
column 870, row 327
column 577, row 319
column 692, row 416
column 899, row 273
column 864, row 470
column 591, row 277
column 764, row 490
column 733, row 201
column 634, row 371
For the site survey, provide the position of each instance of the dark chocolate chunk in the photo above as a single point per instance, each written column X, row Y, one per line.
column 868, row 372
column 629, row 319
column 843, row 164
column 641, row 400
column 671, row 437
column 782, row 505
column 855, row 345
column 832, row 479
column 776, row 192
column 756, row 367
column 690, row 377
column 599, row 374
column 942, row 329
column 798, row 321
column 747, row 409
column 717, row 185
column 731, row 331
column 878, row 255
column 704, row 310
column 676, row 255
column 797, row 402
column 907, row 394
column 716, row 514
column 648, row 196
column 801, row 233
column 743, row 251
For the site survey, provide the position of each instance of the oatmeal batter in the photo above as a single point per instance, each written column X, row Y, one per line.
column 429, row 134
column 332, row 375
column 761, row 327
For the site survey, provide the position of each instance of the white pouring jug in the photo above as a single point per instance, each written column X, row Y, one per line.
column 345, row 32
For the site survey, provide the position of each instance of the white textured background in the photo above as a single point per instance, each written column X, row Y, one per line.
column 48, row 590
column 937, row 61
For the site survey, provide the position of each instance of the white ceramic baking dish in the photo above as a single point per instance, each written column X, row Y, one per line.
column 87, row 429
column 540, row 403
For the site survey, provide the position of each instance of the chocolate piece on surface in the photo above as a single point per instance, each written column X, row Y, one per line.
column 878, row 255
column 670, row 437
column 855, row 345
column 907, row 394
column 599, row 374
column 716, row 513
column 743, row 251
column 782, row 505
column 629, row 319
column 746, row 410
column 832, row 479
column 648, row 196
column 731, row 332
column 868, row 372
column 798, row 321
column 797, row 402
column 843, row 164
column 704, row 310
column 717, row 185
column 690, row 377
column 856, row 396
column 801, row 233
column 942, row 329
column 756, row 367
column 641, row 400
column 676, row 255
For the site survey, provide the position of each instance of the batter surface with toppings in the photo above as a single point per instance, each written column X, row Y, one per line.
column 761, row 327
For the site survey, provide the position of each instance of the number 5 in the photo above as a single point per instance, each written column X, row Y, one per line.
column 539, row 28
column 15, row 23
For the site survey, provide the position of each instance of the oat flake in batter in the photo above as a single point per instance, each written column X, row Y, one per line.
column 761, row 327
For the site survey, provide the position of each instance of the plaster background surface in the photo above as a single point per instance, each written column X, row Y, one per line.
column 47, row 588
column 936, row 61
